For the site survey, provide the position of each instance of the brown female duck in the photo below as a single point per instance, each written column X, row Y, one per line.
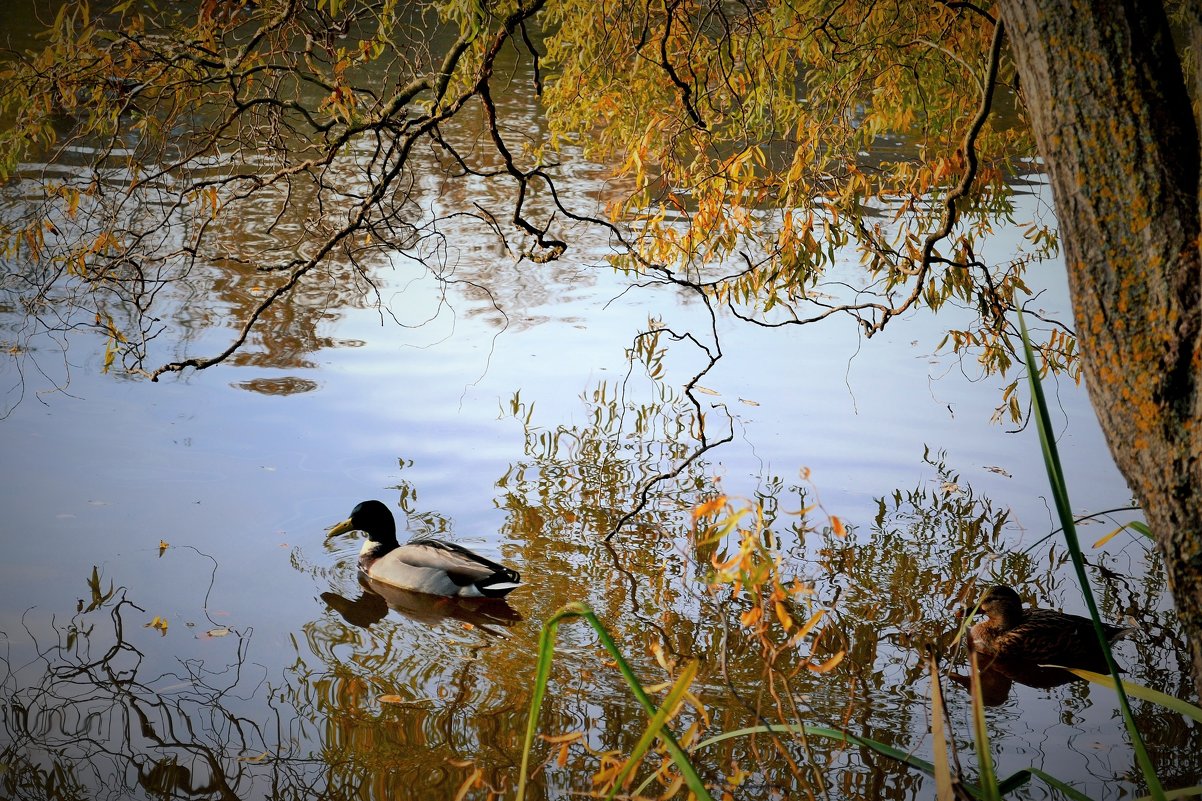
column 1037, row 636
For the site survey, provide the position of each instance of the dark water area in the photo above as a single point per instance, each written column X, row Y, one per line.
column 174, row 622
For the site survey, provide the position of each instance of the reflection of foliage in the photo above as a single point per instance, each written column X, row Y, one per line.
column 422, row 523
column 598, row 466
column 888, row 588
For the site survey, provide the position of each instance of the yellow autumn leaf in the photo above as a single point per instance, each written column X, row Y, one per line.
column 1109, row 537
column 810, row 624
column 828, row 665
column 750, row 617
column 710, row 507
column 782, row 614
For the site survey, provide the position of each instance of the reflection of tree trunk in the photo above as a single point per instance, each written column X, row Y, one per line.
column 1104, row 89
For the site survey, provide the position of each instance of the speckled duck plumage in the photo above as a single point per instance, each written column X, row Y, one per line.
column 1037, row 636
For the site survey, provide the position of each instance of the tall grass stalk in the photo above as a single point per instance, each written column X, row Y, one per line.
column 944, row 791
column 980, row 731
column 546, row 649
column 1051, row 458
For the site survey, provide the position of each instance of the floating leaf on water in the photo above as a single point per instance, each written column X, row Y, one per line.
column 391, row 699
column 1000, row 471
column 158, row 623
column 749, row 402
column 163, row 546
column 256, row 758
column 221, row 632
column 705, row 390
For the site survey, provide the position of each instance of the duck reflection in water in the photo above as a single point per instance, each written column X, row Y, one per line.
column 377, row 598
column 1014, row 644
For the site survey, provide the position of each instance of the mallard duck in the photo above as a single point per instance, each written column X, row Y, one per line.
column 423, row 565
column 1037, row 636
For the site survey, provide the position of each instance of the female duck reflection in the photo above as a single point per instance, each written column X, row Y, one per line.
column 418, row 578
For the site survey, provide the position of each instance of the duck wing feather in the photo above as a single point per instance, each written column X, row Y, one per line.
column 1049, row 637
column 454, row 559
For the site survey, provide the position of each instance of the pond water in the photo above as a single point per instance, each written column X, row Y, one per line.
column 174, row 622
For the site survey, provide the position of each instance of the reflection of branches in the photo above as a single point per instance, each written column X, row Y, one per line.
column 705, row 444
column 96, row 721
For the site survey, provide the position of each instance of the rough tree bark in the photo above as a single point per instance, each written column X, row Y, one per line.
column 1104, row 88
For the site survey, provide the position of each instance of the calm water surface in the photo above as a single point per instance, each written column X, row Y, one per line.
column 511, row 423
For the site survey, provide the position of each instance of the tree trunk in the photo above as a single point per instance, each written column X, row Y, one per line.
column 1104, row 90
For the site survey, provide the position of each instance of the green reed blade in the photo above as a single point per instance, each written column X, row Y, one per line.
column 832, row 734
column 692, row 780
column 1004, row 787
column 1051, row 459
column 1147, row 693
column 943, row 772
column 657, row 723
column 1180, row 792
column 1141, row 527
column 989, row 785
column 546, row 648
column 1068, row 790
